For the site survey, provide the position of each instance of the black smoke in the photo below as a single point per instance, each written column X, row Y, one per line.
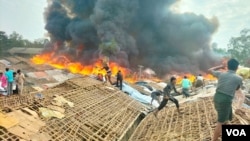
column 132, row 33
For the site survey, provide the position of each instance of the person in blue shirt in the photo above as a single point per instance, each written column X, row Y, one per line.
column 10, row 79
column 186, row 85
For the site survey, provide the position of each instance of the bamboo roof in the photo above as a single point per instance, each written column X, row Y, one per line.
column 101, row 112
column 196, row 122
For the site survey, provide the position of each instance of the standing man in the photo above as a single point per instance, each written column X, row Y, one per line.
column 119, row 79
column 10, row 79
column 186, row 85
column 228, row 83
column 167, row 96
column 20, row 81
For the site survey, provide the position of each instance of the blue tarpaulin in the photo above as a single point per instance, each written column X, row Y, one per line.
column 137, row 95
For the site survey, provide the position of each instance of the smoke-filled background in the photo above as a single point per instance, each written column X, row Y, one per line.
column 131, row 33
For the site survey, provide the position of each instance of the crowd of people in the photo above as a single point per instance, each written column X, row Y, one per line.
column 186, row 86
column 11, row 82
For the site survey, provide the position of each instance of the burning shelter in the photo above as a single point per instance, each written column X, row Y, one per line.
column 129, row 33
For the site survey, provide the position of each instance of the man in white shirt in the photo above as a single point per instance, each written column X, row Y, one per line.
column 199, row 81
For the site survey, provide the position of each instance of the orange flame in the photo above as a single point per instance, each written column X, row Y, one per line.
column 62, row 62
column 192, row 77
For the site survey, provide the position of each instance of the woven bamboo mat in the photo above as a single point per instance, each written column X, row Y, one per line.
column 81, row 81
column 100, row 113
column 196, row 123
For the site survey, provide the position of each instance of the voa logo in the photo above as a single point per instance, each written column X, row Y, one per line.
column 236, row 132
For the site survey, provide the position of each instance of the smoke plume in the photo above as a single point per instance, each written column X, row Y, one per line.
column 132, row 33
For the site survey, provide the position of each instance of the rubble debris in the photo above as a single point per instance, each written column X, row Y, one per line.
column 60, row 101
column 39, row 96
column 28, row 124
column 8, row 121
column 56, row 108
column 48, row 113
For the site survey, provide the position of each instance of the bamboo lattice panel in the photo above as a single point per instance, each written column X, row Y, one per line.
column 85, row 81
column 65, row 86
column 97, row 115
column 196, row 123
column 16, row 101
column 100, row 112
column 28, row 89
column 7, row 136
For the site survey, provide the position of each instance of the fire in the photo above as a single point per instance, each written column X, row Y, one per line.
column 192, row 77
column 42, row 59
column 189, row 76
column 62, row 62
column 209, row 77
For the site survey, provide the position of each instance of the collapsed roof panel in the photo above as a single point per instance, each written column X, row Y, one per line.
column 197, row 122
column 99, row 112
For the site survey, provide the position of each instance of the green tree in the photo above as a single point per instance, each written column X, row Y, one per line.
column 39, row 43
column 239, row 47
column 16, row 40
column 3, row 42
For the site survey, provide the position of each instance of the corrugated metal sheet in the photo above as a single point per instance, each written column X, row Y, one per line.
column 5, row 62
column 21, row 50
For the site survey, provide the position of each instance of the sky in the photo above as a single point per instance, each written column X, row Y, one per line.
column 233, row 16
column 26, row 16
column 23, row 16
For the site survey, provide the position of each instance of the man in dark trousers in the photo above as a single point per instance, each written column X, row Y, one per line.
column 155, row 95
column 167, row 96
column 119, row 79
